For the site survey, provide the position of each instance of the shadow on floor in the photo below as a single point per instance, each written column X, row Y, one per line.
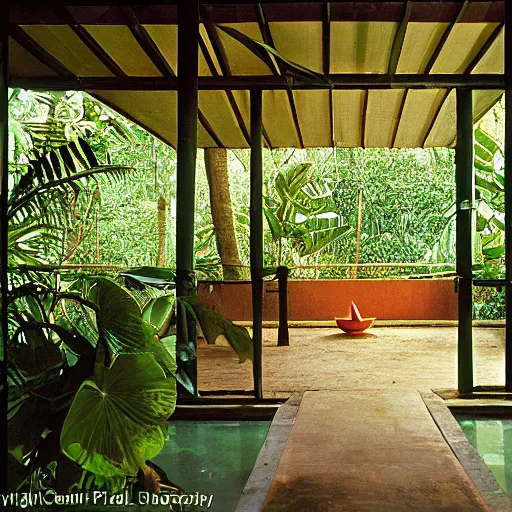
column 345, row 336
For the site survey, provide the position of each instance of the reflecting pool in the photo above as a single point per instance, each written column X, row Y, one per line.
column 213, row 457
column 492, row 438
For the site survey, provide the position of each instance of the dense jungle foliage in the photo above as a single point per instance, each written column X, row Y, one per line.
column 406, row 198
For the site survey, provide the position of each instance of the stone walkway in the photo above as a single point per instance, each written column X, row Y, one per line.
column 368, row 451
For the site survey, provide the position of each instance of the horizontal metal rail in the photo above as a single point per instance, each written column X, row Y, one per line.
column 491, row 283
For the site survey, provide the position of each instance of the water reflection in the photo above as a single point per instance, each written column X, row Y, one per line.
column 492, row 438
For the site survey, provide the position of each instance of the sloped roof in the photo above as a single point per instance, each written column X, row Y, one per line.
column 100, row 48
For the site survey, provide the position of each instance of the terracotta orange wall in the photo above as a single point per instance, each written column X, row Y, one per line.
column 408, row 299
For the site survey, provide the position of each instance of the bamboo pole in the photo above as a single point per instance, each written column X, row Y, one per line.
column 359, row 222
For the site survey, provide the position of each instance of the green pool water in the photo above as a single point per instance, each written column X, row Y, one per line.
column 213, row 458
column 492, row 438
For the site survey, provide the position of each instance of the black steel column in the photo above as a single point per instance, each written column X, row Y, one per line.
column 465, row 198
column 4, row 161
column 256, row 238
column 508, row 196
column 188, row 48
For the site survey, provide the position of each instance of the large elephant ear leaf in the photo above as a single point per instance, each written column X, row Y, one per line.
column 158, row 312
column 115, row 422
column 214, row 325
column 119, row 317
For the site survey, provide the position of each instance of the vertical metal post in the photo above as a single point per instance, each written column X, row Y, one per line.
column 188, row 48
column 256, row 238
column 508, row 196
column 283, row 338
column 465, row 198
column 4, row 169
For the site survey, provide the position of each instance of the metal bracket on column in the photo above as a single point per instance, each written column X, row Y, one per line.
column 467, row 205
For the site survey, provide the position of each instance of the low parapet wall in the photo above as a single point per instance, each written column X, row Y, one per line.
column 390, row 299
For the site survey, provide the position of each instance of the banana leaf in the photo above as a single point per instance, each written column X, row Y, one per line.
column 317, row 232
column 264, row 52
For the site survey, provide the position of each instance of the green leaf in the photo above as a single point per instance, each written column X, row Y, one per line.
column 164, row 351
column 115, row 422
column 214, row 325
column 487, row 142
column 153, row 276
column 36, row 356
column 273, row 223
column 119, row 317
column 493, row 252
column 184, row 380
column 158, row 313
column 316, row 233
column 264, row 51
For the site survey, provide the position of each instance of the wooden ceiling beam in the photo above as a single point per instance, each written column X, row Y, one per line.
column 266, row 82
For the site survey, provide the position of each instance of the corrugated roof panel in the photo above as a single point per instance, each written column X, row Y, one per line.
column 381, row 117
column 278, row 120
column 217, row 110
column 348, row 112
column 23, row 63
column 444, row 129
column 119, row 43
column 419, row 108
column 461, row 46
column 361, row 47
column 63, row 44
column 300, row 42
column 313, row 111
column 166, row 38
column 493, row 60
column 420, row 42
column 241, row 60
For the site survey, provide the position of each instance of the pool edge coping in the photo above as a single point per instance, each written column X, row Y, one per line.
column 474, row 466
column 258, row 484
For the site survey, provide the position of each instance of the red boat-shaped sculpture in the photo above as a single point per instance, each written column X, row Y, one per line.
column 356, row 324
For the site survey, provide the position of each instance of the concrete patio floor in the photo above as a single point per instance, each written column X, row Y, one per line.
column 393, row 358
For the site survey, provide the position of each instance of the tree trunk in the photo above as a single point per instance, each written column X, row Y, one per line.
column 216, row 162
column 162, row 218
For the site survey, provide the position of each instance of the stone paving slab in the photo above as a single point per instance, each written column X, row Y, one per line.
column 369, row 451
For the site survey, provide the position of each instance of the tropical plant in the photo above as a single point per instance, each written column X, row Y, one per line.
column 76, row 351
column 300, row 211
column 51, row 200
column 490, row 223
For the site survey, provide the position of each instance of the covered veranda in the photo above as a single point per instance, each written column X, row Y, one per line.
column 279, row 74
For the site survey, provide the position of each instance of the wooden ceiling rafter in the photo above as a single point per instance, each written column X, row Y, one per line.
column 278, row 70
column 91, row 43
column 220, row 55
column 37, row 51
